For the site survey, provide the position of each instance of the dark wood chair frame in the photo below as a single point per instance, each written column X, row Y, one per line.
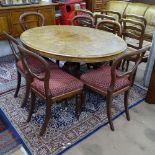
column 22, row 20
column 110, row 93
column 84, row 20
column 12, row 41
column 41, row 18
column 127, row 32
column 102, row 17
column 107, row 12
column 111, row 26
column 47, row 97
column 84, row 12
column 136, row 17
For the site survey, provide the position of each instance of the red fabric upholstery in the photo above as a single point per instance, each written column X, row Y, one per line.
column 34, row 64
column 101, row 79
column 60, row 83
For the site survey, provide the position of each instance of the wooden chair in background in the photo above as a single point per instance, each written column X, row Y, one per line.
column 83, row 20
column 133, row 34
column 110, row 26
column 24, row 20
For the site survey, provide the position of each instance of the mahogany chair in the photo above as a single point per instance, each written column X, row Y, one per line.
column 100, row 17
column 83, row 20
column 51, row 84
column 110, row 26
column 133, row 34
column 114, row 14
column 19, row 65
column 109, row 81
column 23, row 19
column 84, row 12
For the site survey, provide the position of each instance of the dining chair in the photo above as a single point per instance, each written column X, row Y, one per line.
column 112, row 13
column 100, row 17
column 84, row 12
column 133, row 34
column 109, row 81
column 110, row 26
column 24, row 19
column 83, row 20
column 20, row 68
column 52, row 85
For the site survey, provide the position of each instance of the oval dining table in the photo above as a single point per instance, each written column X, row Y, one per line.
column 73, row 43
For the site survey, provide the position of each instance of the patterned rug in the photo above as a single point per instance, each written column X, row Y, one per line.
column 10, row 141
column 64, row 131
column 8, row 74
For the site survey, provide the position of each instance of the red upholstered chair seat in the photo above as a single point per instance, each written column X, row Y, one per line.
column 35, row 65
column 59, row 83
column 101, row 79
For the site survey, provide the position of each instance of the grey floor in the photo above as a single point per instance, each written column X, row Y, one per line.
column 134, row 137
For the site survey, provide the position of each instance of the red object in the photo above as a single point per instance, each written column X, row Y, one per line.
column 68, row 10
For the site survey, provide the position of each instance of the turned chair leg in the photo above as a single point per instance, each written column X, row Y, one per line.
column 126, row 96
column 127, row 65
column 18, row 84
column 109, row 113
column 78, row 105
column 123, row 63
column 57, row 62
column 47, row 116
column 32, row 106
column 27, row 92
column 83, row 98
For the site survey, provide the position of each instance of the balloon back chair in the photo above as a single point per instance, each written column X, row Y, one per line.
column 84, row 12
column 20, row 68
column 100, row 17
column 133, row 33
column 83, row 20
column 109, row 81
column 51, row 84
column 24, row 20
column 110, row 26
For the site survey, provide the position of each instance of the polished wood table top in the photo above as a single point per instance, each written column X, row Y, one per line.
column 73, row 43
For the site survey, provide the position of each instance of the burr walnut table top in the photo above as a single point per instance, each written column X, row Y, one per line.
column 73, row 43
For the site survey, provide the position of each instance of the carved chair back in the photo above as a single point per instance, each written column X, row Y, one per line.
column 132, row 29
column 13, row 45
column 23, row 19
column 100, row 17
column 131, row 73
column 82, row 20
column 84, row 12
column 111, row 26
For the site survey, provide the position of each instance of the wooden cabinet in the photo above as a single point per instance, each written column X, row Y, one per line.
column 4, row 22
column 9, row 17
column 150, row 97
column 95, row 5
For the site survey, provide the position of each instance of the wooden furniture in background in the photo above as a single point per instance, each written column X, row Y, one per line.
column 95, row 5
column 24, row 24
column 150, row 97
column 9, row 17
